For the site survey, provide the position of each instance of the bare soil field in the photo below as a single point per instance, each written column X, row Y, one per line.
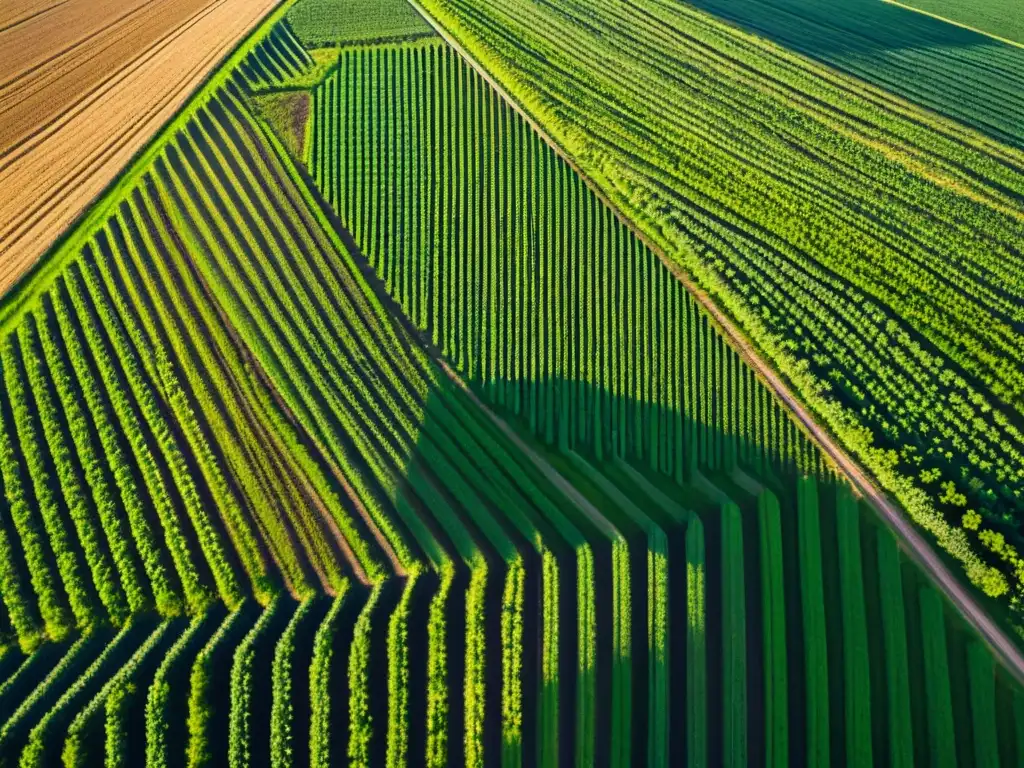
column 18, row 12
column 83, row 86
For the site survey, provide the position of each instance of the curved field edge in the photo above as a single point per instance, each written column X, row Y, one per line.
column 22, row 296
column 821, row 419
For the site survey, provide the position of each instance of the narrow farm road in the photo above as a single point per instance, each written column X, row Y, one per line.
column 911, row 540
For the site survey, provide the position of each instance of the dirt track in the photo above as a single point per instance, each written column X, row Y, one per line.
column 910, row 538
column 83, row 86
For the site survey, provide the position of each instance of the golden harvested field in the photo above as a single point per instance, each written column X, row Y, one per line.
column 83, row 86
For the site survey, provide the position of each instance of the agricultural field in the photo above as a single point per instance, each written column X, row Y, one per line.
column 956, row 72
column 998, row 18
column 355, row 425
column 854, row 236
column 323, row 23
column 84, row 86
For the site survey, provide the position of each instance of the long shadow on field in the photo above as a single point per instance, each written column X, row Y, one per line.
column 725, row 467
column 698, row 466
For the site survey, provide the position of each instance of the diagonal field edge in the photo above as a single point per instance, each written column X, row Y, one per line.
column 910, row 539
column 36, row 280
column 969, row 28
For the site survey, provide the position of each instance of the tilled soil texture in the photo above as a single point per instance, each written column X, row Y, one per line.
column 83, row 86
column 15, row 12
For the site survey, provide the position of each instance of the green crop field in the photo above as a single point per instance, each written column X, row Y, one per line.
column 354, row 426
column 855, row 234
column 1000, row 18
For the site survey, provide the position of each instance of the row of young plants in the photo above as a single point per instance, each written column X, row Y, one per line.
column 278, row 58
column 734, row 640
column 166, row 688
column 104, row 408
column 136, row 233
column 427, row 466
column 843, row 280
column 60, row 458
column 44, row 739
column 116, row 381
column 95, row 472
column 283, row 743
column 856, row 662
column 773, row 616
column 18, row 718
column 240, row 737
column 258, row 461
column 31, row 535
column 102, row 308
column 422, row 161
column 40, row 493
column 320, row 700
column 97, row 733
column 208, row 158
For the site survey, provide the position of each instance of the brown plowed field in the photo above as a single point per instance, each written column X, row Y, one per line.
column 83, row 86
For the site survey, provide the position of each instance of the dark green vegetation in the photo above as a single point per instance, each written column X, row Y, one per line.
column 413, row 454
column 1001, row 18
column 527, row 284
column 953, row 71
column 869, row 247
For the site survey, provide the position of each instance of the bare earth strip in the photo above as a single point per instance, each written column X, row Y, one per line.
column 911, row 540
column 49, row 177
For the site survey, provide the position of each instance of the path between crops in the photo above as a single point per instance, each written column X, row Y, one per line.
column 550, row 473
column 911, row 540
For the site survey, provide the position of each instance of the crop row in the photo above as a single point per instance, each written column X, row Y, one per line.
column 864, row 288
column 270, row 686
column 217, row 409
column 277, row 58
column 490, row 243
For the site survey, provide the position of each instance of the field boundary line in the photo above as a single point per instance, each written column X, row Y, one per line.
column 35, row 280
column 911, row 540
column 969, row 28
